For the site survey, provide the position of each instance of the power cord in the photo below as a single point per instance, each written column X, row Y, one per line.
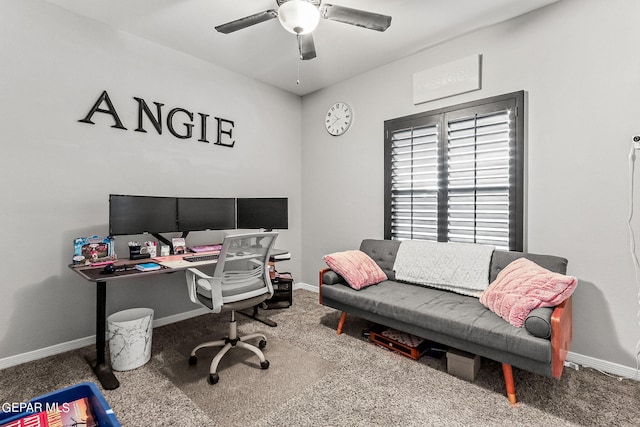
column 632, row 243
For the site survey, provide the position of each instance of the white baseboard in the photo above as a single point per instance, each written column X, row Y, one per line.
column 180, row 316
column 83, row 342
column 46, row 352
column 306, row 286
column 612, row 368
column 615, row 369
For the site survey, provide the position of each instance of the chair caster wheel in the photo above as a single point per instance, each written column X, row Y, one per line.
column 213, row 379
column 265, row 364
column 262, row 344
column 193, row 360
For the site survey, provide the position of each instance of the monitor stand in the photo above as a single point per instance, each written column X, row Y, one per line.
column 163, row 240
column 166, row 241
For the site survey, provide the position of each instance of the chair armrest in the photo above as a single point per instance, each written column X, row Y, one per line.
column 561, row 335
column 193, row 276
column 199, row 273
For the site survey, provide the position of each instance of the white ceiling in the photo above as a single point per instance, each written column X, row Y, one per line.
column 267, row 52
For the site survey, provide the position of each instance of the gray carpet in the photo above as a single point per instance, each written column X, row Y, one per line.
column 318, row 378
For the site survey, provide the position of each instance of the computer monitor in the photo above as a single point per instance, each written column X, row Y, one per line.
column 267, row 212
column 197, row 214
column 129, row 215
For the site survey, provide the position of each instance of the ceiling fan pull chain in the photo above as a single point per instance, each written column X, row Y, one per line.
column 299, row 59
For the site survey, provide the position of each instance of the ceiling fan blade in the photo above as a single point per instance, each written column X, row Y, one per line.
column 306, row 47
column 247, row 21
column 360, row 18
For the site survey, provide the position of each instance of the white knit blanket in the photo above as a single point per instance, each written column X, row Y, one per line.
column 458, row 267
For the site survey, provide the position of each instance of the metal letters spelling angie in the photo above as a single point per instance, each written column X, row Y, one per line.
column 224, row 131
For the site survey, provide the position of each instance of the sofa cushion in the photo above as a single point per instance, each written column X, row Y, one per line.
column 458, row 316
column 501, row 259
column 357, row 268
column 383, row 252
column 523, row 286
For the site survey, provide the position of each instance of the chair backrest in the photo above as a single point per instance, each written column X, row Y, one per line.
column 243, row 265
column 241, row 273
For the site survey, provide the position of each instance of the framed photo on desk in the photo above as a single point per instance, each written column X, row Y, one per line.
column 94, row 248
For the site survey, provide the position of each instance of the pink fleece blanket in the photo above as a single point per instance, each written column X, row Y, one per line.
column 523, row 286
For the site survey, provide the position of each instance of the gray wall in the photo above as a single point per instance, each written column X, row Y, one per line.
column 578, row 62
column 56, row 173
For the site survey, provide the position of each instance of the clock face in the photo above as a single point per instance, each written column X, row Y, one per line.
column 338, row 118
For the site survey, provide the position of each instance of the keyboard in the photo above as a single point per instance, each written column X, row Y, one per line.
column 199, row 258
column 205, row 248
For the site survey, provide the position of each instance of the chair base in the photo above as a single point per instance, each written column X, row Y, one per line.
column 232, row 341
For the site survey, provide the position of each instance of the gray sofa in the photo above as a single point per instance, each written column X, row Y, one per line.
column 455, row 320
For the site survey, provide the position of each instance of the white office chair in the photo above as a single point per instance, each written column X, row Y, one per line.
column 240, row 281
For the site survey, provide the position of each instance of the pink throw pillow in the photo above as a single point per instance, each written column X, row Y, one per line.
column 357, row 268
column 523, row 286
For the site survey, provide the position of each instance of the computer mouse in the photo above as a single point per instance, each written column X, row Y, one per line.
column 239, row 253
column 108, row 269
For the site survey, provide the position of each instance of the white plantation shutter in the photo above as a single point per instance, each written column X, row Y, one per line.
column 456, row 174
column 414, row 163
column 478, row 158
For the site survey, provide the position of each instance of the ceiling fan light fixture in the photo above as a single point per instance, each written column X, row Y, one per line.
column 299, row 16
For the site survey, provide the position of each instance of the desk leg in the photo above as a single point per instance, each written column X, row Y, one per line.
column 255, row 316
column 98, row 363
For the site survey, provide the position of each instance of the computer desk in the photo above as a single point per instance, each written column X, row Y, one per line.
column 125, row 269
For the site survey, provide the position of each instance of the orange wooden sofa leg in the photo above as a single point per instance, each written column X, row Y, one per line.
column 343, row 317
column 508, row 380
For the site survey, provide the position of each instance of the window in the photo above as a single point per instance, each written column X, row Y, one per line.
column 456, row 174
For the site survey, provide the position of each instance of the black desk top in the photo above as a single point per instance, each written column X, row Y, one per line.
column 126, row 268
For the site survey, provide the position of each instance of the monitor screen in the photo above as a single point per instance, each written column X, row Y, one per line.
column 195, row 214
column 141, row 214
column 270, row 213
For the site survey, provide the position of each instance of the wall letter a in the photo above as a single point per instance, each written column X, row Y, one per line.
column 110, row 110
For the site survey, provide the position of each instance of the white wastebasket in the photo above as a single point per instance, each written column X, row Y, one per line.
column 130, row 334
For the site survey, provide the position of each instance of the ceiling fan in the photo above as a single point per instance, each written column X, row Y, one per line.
column 301, row 17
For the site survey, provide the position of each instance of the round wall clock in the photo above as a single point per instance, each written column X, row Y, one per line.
column 338, row 118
